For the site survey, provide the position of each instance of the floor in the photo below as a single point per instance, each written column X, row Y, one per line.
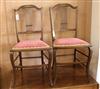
column 66, row 77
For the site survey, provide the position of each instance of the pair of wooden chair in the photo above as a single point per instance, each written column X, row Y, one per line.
column 28, row 23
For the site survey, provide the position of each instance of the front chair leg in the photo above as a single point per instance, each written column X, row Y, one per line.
column 50, row 62
column 54, row 67
column 20, row 59
column 14, row 69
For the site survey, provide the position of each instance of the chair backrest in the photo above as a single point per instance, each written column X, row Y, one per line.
column 63, row 20
column 28, row 22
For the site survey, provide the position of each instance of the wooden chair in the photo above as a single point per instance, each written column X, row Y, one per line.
column 64, row 20
column 29, row 32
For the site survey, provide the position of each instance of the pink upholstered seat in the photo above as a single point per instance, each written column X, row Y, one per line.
column 70, row 42
column 30, row 44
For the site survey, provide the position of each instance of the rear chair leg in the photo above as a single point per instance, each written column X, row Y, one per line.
column 88, row 63
column 74, row 57
column 42, row 61
column 20, row 59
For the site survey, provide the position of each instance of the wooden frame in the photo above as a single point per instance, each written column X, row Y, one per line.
column 55, row 48
column 26, row 32
column 20, row 58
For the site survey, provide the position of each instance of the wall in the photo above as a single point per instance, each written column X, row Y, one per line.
column 95, row 37
column 7, row 29
column 96, row 27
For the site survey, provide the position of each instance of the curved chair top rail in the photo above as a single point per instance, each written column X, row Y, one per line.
column 64, row 5
column 21, row 8
column 61, row 5
column 28, row 6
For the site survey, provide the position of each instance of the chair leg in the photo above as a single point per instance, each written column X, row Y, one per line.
column 74, row 57
column 20, row 59
column 50, row 68
column 42, row 61
column 54, row 67
column 14, row 69
column 88, row 63
column 21, row 64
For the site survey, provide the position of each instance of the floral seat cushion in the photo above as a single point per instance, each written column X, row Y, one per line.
column 69, row 42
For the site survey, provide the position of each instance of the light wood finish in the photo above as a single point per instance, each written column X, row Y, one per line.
column 7, row 31
column 28, row 20
column 63, row 17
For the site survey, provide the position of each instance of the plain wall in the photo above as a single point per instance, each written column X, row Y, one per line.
column 95, row 36
column 96, row 27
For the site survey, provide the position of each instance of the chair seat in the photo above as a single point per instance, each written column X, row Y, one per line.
column 30, row 45
column 70, row 42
